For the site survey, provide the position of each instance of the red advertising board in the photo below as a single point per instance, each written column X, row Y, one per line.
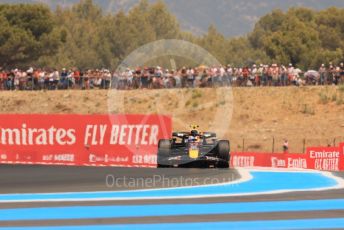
column 319, row 158
column 100, row 140
column 326, row 158
column 273, row 160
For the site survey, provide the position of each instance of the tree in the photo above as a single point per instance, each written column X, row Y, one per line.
column 215, row 43
column 87, row 10
column 84, row 36
column 239, row 52
column 163, row 22
column 267, row 25
column 26, row 33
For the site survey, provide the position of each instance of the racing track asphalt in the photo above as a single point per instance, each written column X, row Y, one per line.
column 31, row 179
column 40, row 179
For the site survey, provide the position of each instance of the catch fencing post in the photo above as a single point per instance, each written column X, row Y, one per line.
column 243, row 145
column 304, row 146
column 273, row 144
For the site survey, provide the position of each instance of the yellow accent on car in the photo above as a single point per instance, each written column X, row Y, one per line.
column 193, row 153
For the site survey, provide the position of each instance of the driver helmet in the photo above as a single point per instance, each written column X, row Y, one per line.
column 194, row 132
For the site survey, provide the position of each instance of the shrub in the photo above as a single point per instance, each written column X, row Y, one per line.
column 195, row 104
column 341, row 88
column 340, row 100
column 196, row 94
column 323, row 98
column 307, row 110
column 187, row 103
column 334, row 97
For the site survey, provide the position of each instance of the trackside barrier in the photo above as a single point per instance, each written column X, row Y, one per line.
column 89, row 140
column 125, row 141
column 319, row 158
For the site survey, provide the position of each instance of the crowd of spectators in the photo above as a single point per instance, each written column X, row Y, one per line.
column 157, row 77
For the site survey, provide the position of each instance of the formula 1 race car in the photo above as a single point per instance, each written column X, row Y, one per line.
column 193, row 149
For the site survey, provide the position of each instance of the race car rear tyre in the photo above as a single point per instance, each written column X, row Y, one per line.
column 164, row 149
column 223, row 150
column 164, row 144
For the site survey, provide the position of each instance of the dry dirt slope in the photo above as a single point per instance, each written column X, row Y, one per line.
column 259, row 114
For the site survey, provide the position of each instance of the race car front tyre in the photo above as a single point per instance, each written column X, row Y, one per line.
column 223, row 150
column 164, row 149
